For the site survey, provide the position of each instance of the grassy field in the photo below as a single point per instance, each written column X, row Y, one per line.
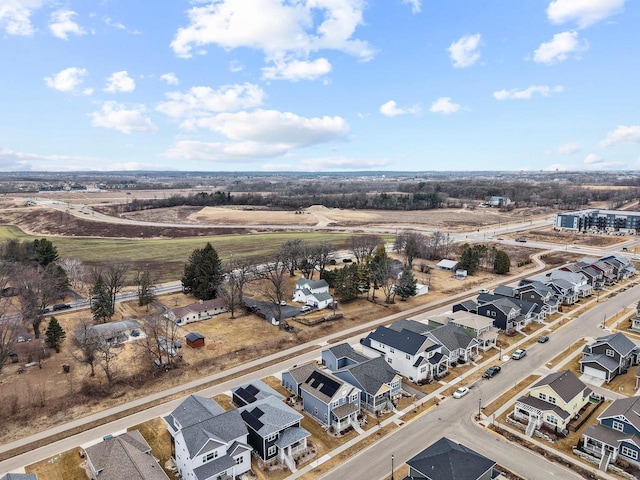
column 172, row 253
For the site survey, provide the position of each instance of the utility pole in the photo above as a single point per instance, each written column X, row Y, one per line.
column 391, row 467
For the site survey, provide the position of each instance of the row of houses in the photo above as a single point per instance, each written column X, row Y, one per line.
column 534, row 298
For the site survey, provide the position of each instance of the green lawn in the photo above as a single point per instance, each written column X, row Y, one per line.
column 169, row 255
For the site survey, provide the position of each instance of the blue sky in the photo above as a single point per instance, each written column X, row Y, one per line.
column 319, row 85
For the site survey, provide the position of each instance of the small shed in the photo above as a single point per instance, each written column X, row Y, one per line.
column 461, row 274
column 195, row 340
column 447, row 264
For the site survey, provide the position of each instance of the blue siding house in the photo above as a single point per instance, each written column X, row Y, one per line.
column 618, row 433
column 341, row 356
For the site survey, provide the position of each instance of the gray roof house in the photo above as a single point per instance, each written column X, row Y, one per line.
column 409, row 353
column 19, row 476
column 458, row 345
column 312, row 292
column 123, row 456
column 251, row 392
column 448, row 460
column 609, row 356
column 111, row 332
column 274, row 430
column 340, row 356
column 207, row 442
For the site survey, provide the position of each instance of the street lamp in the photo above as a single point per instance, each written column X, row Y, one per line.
column 479, row 409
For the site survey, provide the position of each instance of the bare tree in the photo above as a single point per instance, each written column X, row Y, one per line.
column 291, row 254
column 146, row 284
column 241, row 273
column 272, row 283
column 160, row 340
column 106, row 355
column 10, row 328
column 363, row 246
column 75, row 270
column 318, row 256
column 86, row 345
column 411, row 245
column 114, row 278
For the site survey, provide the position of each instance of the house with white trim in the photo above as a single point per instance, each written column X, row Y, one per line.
column 196, row 312
column 314, row 293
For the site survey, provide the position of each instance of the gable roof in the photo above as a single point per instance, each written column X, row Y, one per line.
column 372, row 374
column 617, row 341
column 629, row 408
column 222, row 428
column 469, row 305
column 344, row 350
column 565, row 384
column 446, row 460
column 106, row 330
column 470, row 320
column 411, row 325
column 505, row 291
column 195, row 409
column 198, row 307
column 504, row 304
column 255, row 390
column 325, row 386
column 311, row 284
column 320, row 296
column 125, row 456
column 603, row 360
column 269, row 415
column 302, row 372
column 193, row 336
column 453, row 337
column 404, row 340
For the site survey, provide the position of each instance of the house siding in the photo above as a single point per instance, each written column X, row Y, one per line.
column 289, row 383
column 628, row 428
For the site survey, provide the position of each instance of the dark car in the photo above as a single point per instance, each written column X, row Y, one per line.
column 543, row 339
column 492, row 371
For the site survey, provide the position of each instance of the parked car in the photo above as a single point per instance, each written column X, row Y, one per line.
column 460, row 392
column 492, row 371
column 484, row 290
column 543, row 339
column 519, row 353
column 283, row 303
column 521, row 240
column 306, row 308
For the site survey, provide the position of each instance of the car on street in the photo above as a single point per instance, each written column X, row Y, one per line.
column 519, row 353
column 500, row 238
column 543, row 339
column 521, row 240
column 484, row 290
column 492, row 371
column 283, row 303
column 460, row 392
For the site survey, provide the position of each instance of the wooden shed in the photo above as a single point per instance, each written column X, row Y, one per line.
column 195, row 340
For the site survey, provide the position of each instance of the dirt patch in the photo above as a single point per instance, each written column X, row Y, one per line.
column 251, row 216
column 573, row 238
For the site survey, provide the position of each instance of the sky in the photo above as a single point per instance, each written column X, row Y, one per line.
column 319, row 85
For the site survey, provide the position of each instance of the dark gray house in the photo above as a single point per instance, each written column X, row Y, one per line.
column 448, row 460
column 609, row 356
column 340, row 356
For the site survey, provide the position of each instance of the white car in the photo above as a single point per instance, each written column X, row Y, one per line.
column 283, row 303
column 518, row 354
column 460, row 392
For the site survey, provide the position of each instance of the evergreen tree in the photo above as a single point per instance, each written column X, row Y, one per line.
column 502, row 263
column 469, row 259
column 203, row 273
column 102, row 306
column 346, row 283
column 44, row 252
column 55, row 335
column 406, row 286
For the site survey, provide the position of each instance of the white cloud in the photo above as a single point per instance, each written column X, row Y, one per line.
column 391, row 109
column 327, row 164
column 559, row 48
column 224, row 152
column 119, row 26
column 622, row 134
column 445, row 106
column 235, row 66
column 591, row 162
column 569, row 148
column 279, row 28
column 593, row 159
column 584, row 12
column 62, row 24
column 527, row 93
column 68, row 80
column 201, row 101
column 15, row 16
column 464, row 52
column 126, row 120
column 416, row 5
column 273, row 127
column 120, row 82
column 170, row 78
column 12, row 160
column 297, row 70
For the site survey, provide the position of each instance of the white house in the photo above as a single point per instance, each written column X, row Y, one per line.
column 312, row 292
column 207, row 442
column 196, row 312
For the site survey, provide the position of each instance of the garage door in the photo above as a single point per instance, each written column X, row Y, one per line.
column 594, row 372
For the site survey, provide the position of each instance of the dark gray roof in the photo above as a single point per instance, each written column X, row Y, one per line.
column 543, row 406
column 603, row 360
column 411, row 325
column 125, row 456
column 219, row 465
column 19, row 476
column 565, row 384
column 195, row 409
column 609, row 436
column 436, row 358
column 302, row 372
column 345, row 409
column 269, row 415
column 469, row 305
column 193, row 336
column 504, row 304
column 627, row 407
column 291, row 436
column 222, row 428
column 372, row 374
column 447, row 460
column 618, row 342
column 324, row 385
column 255, row 390
column 504, row 291
column 344, row 350
column 405, row 340
column 453, row 337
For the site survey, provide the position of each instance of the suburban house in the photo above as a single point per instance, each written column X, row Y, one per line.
column 478, row 326
column 379, row 383
column 447, row 264
column 506, row 315
column 207, row 442
column 499, row 201
column 457, row 344
column 196, row 312
column 622, row 266
column 617, row 433
column 312, row 292
column 448, row 460
column 409, row 353
column 123, row 456
column 251, row 392
column 635, row 321
column 537, row 292
column 578, row 280
column 340, row 356
column 113, row 332
column 554, row 401
column 274, row 430
column 609, row 356
column 327, row 398
column 595, row 277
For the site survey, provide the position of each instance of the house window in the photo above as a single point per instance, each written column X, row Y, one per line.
column 391, row 350
column 628, row 452
column 381, row 346
column 239, row 460
column 326, row 418
column 271, row 451
column 493, row 314
column 389, row 360
column 315, row 411
column 335, row 404
column 542, row 396
column 552, row 420
column 408, row 356
column 610, row 353
column 209, row 456
column 552, row 400
column 423, row 369
column 619, row 426
column 271, row 437
column 354, row 397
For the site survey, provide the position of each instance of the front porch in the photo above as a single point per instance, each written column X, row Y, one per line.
column 344, row 416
